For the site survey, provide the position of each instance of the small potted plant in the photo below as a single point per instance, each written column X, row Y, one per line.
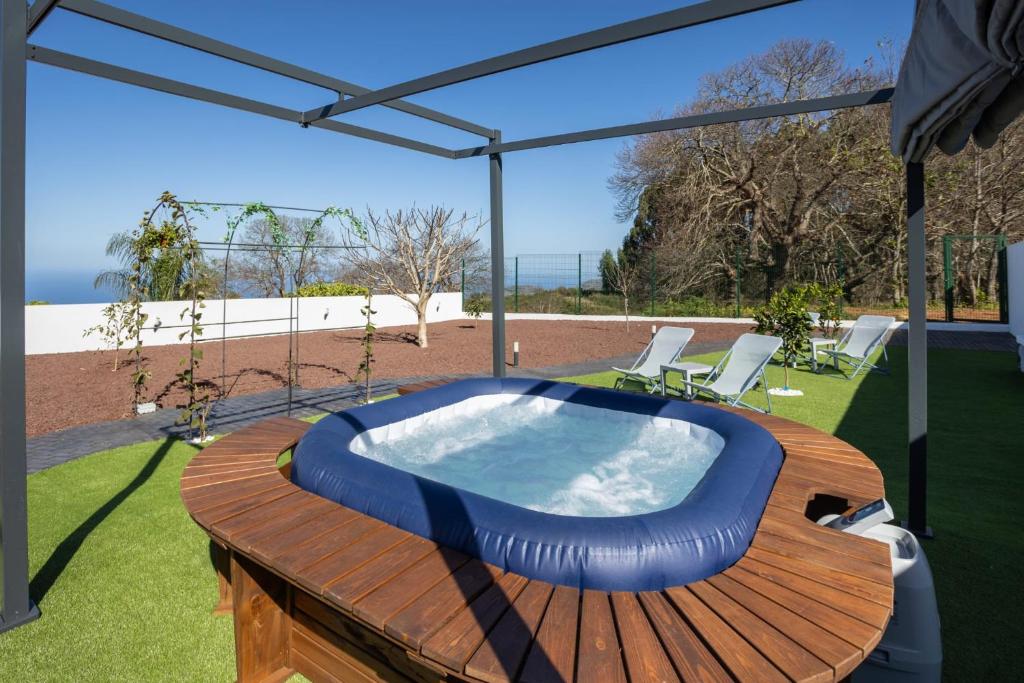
column 785, row 316
column 474, row 308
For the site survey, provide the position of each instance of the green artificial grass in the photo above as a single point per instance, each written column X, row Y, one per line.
column 125, row 583
column 121, row 573
column 975, row 475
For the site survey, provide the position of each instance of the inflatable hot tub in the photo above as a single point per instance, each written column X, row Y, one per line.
column 383, row 460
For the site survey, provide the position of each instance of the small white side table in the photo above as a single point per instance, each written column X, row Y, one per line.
column 688, row 370
column 817, row 343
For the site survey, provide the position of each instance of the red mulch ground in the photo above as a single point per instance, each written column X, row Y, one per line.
column 71, row 389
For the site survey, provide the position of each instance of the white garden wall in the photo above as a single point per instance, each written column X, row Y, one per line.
column 1015, row 282
column 58, row 328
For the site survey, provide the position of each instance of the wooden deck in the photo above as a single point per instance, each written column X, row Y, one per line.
column 322, row 590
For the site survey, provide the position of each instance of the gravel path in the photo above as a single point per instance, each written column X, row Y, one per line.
column 70, row 389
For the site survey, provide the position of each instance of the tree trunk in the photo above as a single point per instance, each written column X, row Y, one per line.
column 421, row 324
column 992, row 276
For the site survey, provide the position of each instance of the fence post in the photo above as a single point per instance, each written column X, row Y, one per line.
column 947, row 275
column 841, row 272
column 1001, row 280
column 654, row 280
column 515, row 286
column 579, row 282
column 739, row 270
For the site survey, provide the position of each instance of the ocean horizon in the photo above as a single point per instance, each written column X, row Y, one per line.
column 65, row 287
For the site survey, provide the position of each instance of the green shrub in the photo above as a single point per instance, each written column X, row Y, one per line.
column 331, row 289
column 475, row 307
column 785, row 317
column 37, row 302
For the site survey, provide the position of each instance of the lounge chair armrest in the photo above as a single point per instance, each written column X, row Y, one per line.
column 698, row 385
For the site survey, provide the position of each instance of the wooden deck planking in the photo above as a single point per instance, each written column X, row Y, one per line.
column 454, row 643
column 834, row 651
column 552, row 654
column 599, row 654
column 691, row 657
column 501, row 655
column 790, row 658
column 378, row 571
column 381, row 604
column 775, row 615
column 645, row 657
column 432, row 610
column 862, row 608
column 742, row 659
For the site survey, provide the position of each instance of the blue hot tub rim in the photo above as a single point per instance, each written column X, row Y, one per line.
column 704, row 534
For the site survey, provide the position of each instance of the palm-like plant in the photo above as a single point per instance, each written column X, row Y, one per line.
column 164, row 277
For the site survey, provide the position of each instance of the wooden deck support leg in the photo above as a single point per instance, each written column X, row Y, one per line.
column 222, row 564
column 262, row 623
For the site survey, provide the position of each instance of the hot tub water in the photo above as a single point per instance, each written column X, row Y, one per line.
column 549, row 455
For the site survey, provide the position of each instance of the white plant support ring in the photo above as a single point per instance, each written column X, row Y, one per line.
column 785, row 391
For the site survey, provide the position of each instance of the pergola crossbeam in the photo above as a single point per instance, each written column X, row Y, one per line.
column 818, row 104
column 673, row 20
column 38, row 12
column 17, row 22
column 179, row 36
column 112, row 72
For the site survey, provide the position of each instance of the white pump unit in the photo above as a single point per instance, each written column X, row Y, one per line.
column 911, row 649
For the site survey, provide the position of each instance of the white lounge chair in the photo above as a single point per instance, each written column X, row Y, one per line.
column 859, row 343
column 738, row 372
column 668, row 343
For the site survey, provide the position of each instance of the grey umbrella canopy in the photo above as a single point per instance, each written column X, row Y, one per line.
column 961, row 76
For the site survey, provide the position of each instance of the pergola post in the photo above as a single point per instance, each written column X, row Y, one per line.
column 16, row 607
column 917, row 355
column 497, row 264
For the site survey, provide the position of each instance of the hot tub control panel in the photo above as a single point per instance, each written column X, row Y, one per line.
column 860, row 520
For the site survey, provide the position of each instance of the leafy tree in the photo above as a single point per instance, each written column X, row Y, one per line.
column 785, row 317
column 474, row 308
column 827, row 301
column 605, row 267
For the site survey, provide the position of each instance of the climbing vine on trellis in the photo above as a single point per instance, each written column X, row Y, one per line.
column 366, row 365
column 169, row 226
column 279, row 238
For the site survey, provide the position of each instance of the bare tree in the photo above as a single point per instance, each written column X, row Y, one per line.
column 812, row 197
column 414, row 253
column 622, row 275
column 272, row 270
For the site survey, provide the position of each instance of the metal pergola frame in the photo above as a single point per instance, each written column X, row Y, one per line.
column 17, row 22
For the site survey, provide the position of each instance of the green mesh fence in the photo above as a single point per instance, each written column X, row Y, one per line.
column 738, row 284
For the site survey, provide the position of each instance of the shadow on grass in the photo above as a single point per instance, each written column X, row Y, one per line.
column 875, row 422
column 61, row 556
column 974, row 477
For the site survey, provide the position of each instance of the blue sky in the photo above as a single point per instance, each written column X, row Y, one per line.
column 100, row 152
